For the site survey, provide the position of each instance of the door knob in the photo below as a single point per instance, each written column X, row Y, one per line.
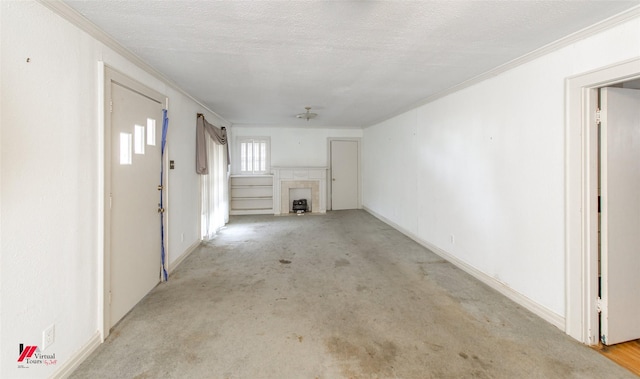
column 334, row 179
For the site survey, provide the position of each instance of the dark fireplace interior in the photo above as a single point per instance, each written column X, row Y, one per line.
column 300, row 206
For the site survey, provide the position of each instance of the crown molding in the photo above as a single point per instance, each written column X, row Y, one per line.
column 65, row 11
column 589, row 31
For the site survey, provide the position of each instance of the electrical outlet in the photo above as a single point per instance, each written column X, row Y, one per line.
column 452, row 238
column 182, row 237
column 48, row 336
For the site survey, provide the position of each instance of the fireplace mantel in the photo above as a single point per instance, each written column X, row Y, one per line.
column 285, row 178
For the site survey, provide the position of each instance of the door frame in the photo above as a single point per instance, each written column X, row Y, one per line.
column 581, row 196
column 329, row 181
column 108, row 75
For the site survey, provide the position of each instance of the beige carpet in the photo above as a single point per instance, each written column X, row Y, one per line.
column 340, row 295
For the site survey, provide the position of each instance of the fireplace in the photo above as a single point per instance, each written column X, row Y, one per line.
column 295, row 183
column 311, row 186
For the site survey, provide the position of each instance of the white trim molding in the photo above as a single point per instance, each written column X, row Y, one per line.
column 174, row 265
column 75, row 18
column 544, row 50
column 76, row 359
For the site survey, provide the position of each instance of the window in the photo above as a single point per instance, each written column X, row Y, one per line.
column 125, row 149
column 215, row 195
column 253, row 155
column 139, row 139
column 151, row 132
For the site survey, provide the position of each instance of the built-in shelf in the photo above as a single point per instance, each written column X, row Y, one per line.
column 251, row 194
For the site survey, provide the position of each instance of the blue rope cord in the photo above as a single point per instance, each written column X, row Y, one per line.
column 165, row 126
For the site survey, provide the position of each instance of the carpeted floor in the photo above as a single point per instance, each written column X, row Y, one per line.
column 340, row 295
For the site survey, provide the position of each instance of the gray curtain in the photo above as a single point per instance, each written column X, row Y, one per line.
column 219, row 135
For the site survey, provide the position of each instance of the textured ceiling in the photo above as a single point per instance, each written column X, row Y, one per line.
column 353, row 62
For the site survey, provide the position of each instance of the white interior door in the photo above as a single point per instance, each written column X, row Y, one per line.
column 344, row 175
column 620, row 211
column 136, row 130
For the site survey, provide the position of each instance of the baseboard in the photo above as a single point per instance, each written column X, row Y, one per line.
column 246, row 212
column 69, row 366
column 184, row 256
column 538, row 309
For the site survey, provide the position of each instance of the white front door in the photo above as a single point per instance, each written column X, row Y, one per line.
column 620, row 212
column 134, row 221
column 344, row 174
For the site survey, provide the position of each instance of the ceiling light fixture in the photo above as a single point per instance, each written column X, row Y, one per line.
column 308, row 115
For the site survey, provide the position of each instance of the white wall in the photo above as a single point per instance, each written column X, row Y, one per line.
column 184, row 183
column 294, row 146
column 50, row 155
column 486, row 165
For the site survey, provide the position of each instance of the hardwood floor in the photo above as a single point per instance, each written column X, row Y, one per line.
column 625, row 354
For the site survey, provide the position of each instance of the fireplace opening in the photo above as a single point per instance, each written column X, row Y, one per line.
column 302, row 200
column 300, row 206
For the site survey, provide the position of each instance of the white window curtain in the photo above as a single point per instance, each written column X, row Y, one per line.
column 215, row 191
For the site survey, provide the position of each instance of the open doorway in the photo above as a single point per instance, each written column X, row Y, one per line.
column 582, row 253
column 618, row 131
column 582, row 240
column 619, row 213
column 619, row 222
